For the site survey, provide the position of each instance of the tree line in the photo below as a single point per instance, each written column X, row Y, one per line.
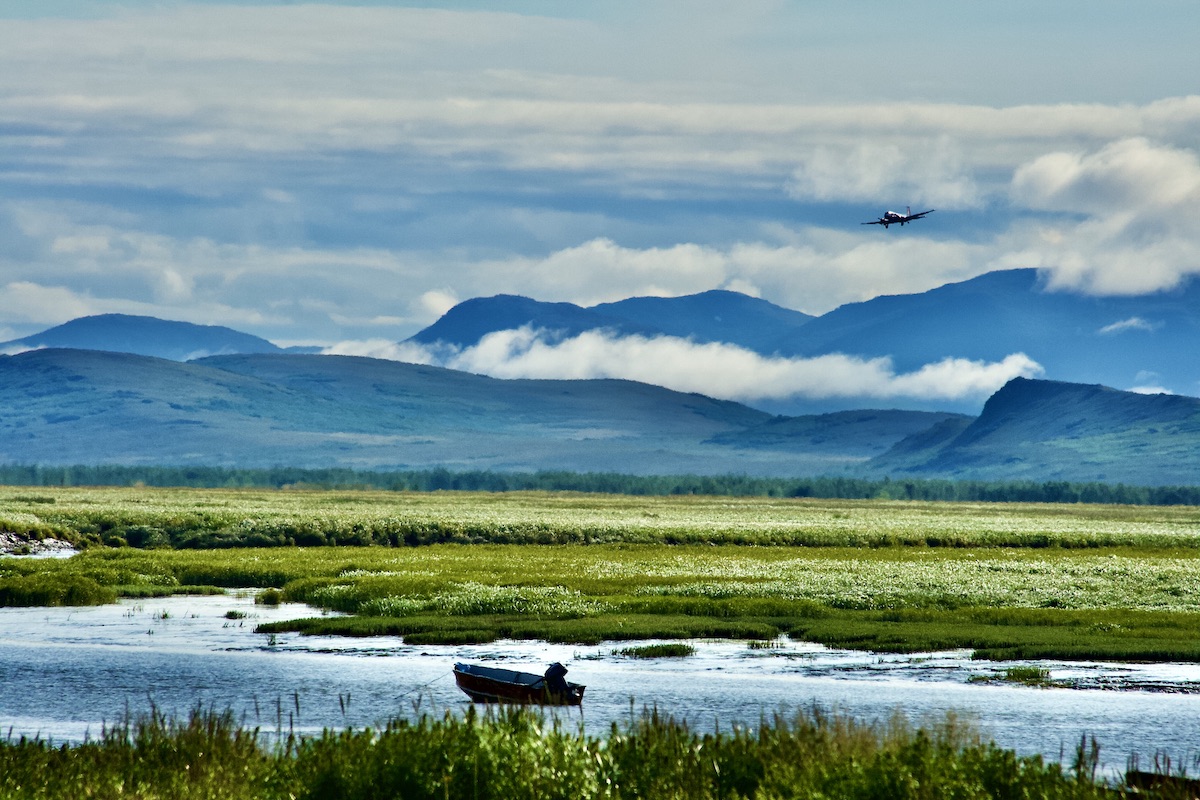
column 430, row 480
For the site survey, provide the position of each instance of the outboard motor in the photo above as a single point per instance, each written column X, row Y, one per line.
column 556, row 681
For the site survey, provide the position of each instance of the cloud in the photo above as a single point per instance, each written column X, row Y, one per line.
column 14, row 350
column 926, row 171
column 600, row 270
column 717, row 370
column 26, row 301
column 437, row 302
column 325, row 172
column 1135, row 230
column 382, row 348
column 1126, row 175
column 1131, row 324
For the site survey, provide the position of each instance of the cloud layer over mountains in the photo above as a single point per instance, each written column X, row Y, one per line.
column 718, row 370
column 327, row 172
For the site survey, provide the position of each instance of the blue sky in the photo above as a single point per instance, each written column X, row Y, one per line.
column 343, row 173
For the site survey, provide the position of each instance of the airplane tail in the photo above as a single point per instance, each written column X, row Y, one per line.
column 908, row 211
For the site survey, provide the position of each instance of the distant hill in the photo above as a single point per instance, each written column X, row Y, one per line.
column 471, row 320
column 148, row 336
column 76, row 406
column 856, row 434
column 1052, row 430
column 62, row 406
column 715, row 316
column 1144, row 342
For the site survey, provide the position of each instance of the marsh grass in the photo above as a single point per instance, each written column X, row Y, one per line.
column 1009, row 581
column 1022, row 675
column 663, row 650
column 213, row 518
column 1122, row 604
column 1027, row 675
column 516, row 754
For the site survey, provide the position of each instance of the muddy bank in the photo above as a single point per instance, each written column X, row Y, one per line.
column 12, row 544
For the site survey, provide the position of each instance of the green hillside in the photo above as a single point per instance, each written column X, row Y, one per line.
column 1049, row 430
column 64, row 407
column 73, row 407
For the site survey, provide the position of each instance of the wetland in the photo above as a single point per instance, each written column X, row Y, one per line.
column 761, row 607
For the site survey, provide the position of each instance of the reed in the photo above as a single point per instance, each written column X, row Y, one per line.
column 662, row 650
column 515, row 754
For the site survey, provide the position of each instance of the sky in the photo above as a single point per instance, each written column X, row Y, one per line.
column 341, row 174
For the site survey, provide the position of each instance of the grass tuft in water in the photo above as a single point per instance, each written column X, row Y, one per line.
column 664, row 650
column 269, row 597
column 1027, row 675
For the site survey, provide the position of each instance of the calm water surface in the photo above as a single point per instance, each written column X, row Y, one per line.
column 65, row 673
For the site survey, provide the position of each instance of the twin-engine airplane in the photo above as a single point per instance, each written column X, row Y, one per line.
column 892, row 218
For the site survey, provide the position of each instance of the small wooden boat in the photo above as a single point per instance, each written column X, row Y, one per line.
column 496, row 685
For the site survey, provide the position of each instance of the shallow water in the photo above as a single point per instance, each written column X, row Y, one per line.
column 66, row 673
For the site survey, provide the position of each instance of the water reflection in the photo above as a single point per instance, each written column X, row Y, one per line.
column 68, row 672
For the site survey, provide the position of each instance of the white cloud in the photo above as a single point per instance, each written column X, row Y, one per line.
column 716, row 370
column 1137, row 232
column 437, row 302
column 921, row 171
column 1127, row 175
column 14, row 350
column 828, row 268
column 381, row 348
column 600, row 271
column 1131, row 324
column 25, row 301
column 38, row 306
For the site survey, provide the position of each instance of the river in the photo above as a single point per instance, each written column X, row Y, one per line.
column 67, row 672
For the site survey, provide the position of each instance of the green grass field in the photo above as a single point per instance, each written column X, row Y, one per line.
column 1007, row 580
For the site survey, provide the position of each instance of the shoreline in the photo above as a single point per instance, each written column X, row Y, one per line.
column 13, row 545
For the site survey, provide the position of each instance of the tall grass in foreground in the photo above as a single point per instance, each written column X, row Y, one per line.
column 512, row 754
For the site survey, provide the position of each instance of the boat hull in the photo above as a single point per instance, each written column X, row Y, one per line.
column 493, row 685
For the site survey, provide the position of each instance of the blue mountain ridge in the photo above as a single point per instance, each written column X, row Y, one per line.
column 1122, row 341
column 61, row 406
column 713, row 316
column 150, row 336
column 1126, row 342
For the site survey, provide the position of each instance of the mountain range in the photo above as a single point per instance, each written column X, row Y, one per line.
column 64, row 406
column 138, row 390
column 80, row 406
column 713, row 316
column 1145, row 342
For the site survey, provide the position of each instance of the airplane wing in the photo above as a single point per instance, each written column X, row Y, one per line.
column 873, row 222
column 923, row 213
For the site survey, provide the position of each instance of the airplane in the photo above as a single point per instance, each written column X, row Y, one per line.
column 892, row 218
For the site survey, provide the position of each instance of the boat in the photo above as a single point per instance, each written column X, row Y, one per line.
column 496, row 685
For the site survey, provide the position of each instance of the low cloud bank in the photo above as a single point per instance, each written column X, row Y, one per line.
column 718, row 370
column 1136, row 199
